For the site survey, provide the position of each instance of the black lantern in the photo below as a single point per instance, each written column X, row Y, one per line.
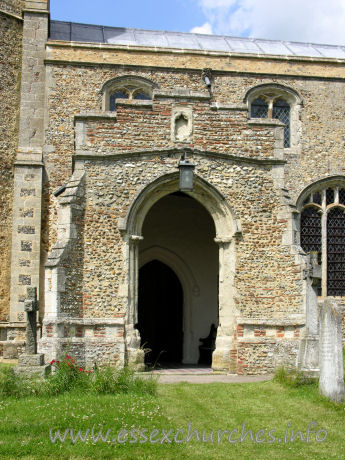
column 186, row 175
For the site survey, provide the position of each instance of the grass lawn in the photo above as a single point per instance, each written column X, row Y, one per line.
column 25, row 423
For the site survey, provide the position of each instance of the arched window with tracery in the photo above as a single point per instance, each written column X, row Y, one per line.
column 269, row 107
column 323, row 230
column 127, row 92
column 126, row 87
column 277, row 101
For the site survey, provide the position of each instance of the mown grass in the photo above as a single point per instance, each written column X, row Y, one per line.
column 25, row 422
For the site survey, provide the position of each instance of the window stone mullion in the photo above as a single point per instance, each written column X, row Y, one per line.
column 270, row 107
column 324, row 246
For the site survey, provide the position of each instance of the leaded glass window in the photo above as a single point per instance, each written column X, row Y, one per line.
column 329, row 196
column 259, row 108
column 342, row 196
column 273, row 106
column 142, row 96
column 281, row 110
column 336, row 252
column 311, row 230
column 317, row 198
column 127, row 91
column 311, row 235
column 328, row 206
column 114, row 96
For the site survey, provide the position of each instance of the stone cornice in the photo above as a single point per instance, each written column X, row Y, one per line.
column 128, row 66
column 119, row 155
column 187, row 51
column 337, row 74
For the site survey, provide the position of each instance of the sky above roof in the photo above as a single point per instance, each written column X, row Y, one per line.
column 316, row 21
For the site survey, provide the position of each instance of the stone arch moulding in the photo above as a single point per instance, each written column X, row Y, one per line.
column 273, row 91
column 134, row 81
column 227, row 227
column 226, row 223
column 275, row 88
column 187, row 279
column 317, row 186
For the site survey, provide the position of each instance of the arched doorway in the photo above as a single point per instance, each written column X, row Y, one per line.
column 179, row 233
column 160, row 313
column 226, row 229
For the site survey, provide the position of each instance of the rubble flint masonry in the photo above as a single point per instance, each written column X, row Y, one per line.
column 96, row 121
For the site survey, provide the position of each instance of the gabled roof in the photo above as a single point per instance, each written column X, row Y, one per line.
column 70, row 31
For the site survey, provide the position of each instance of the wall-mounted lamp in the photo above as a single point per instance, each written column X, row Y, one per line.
column 207, row 81
column 186, row 174
column 207, row 76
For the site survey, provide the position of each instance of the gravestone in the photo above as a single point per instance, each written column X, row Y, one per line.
column 31, row 362
column 331, row 383
column 31, row 308
column 308, row 359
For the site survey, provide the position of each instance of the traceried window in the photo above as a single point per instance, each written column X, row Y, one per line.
column 141, row 95
column 323, row 230
column 127, row 92
column 273, row 107
column 126, row 87
column 276, row 101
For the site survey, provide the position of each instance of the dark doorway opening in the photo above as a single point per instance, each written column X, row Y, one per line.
column 160, row 313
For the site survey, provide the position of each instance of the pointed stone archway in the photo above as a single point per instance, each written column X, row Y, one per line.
column 226, row 228
column 190, row 289
column 160, row 314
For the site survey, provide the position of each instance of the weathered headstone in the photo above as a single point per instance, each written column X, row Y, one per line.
column 31, row 308
column 308, row 359
column 31, row 362
column 331, row 383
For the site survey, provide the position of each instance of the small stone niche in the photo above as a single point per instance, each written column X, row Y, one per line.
column 181, row 124
column 181, row 128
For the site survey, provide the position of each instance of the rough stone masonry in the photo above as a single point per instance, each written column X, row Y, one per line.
column 95, row 123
